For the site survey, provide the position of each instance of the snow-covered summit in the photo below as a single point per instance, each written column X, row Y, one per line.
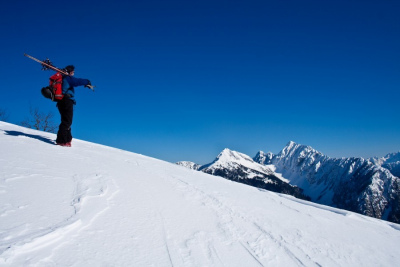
column 230, row 159
column 293, row 149
column 92, row 205
column 227, row 156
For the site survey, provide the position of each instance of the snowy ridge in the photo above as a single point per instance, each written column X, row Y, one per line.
column 107, row 207
column 354, row 184
column 390, row 161
column 189, row 165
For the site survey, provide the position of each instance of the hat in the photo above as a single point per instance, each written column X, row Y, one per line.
column 69, row 68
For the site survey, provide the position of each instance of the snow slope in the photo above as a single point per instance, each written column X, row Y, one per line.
column 91, row 205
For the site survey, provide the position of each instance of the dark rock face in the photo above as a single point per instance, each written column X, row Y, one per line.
column 258, row 179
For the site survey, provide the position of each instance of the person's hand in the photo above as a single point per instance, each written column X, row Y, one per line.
column 91, row 87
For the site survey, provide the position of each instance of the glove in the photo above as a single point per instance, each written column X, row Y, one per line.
column 91, row 87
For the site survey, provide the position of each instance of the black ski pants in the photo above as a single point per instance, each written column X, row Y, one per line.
column 66, row 109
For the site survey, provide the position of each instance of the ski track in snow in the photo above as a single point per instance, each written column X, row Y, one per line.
column 108, row 207
column 234, row 228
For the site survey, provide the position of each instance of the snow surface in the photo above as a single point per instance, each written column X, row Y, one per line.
column 91, row 205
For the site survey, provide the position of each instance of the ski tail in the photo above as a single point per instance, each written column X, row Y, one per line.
column 46, row 64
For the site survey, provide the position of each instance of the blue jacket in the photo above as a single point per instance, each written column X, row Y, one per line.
column 68, row 84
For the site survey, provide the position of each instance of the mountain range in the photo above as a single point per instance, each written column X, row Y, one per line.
column 367, row 186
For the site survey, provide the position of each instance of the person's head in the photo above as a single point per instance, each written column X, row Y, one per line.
column 70, row 69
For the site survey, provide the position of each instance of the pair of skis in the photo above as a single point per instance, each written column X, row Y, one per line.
column 47, row 65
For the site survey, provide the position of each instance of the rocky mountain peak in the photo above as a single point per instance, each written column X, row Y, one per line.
column 264, row 158
column 298, row 150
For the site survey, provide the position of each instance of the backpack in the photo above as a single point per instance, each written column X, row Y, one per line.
column 54, row 90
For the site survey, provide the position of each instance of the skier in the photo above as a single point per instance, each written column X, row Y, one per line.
column 66, row 105
column 65, row 99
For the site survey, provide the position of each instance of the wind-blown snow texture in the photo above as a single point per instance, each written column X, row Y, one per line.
column 91, row 205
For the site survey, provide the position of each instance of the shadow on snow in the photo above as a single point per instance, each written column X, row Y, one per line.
column 34, row 136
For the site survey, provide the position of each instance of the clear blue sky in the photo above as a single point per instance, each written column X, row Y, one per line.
column 182, row 80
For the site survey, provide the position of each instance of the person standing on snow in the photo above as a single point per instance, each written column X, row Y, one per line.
column 66, row 105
